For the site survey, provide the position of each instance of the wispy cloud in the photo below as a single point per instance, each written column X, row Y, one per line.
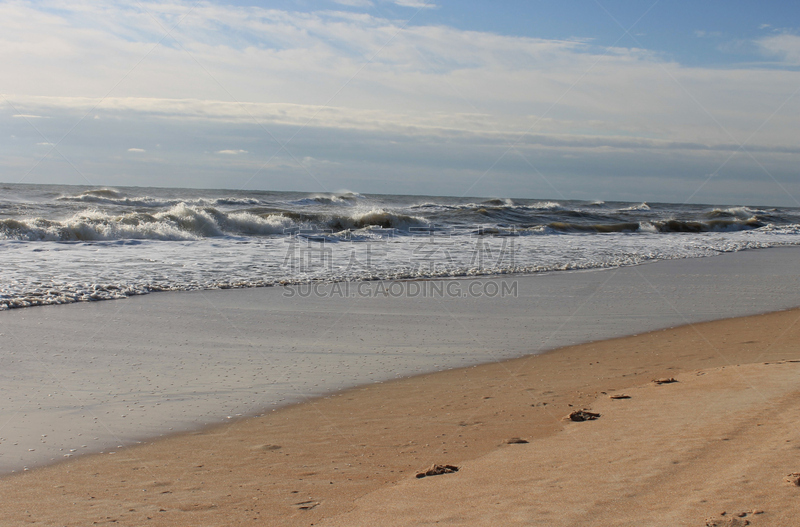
column 137, row 150
column 785, row 46
column 430, row 77
column 232, row 152
column 701, row 33
column 355, row 3
column 416, row 4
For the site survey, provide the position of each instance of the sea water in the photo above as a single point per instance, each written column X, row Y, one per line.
column 62, row 244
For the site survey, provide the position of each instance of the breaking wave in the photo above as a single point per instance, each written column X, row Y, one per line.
column 112, row 197
column 181, row 222
column 640, row 207
column 339, row 198
column 546, row 205
column 665, row 226
column 498, row 202
column 375, row 218
column 187, row 222
column 140, row 240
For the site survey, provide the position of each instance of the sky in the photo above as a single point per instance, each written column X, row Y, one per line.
column 669, row 101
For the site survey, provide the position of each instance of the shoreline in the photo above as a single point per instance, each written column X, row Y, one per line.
column 324, row 283
column 363, row 442
column 216, row 427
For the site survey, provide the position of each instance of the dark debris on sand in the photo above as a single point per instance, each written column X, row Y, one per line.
column 793, row 478
column 437, row 470
column 583, row 415
column 665, row 381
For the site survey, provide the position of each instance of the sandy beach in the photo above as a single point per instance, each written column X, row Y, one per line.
column 352, row 263
column 722, row 439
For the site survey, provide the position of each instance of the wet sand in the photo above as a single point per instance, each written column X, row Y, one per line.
column 95, row 377
column 722, row 438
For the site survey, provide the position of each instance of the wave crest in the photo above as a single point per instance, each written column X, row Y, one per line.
column 181, row 222
column 374, row 218
column 187, row 222
column 546, row 205
column 640, row 206
column 113, row 197
column 337, row 198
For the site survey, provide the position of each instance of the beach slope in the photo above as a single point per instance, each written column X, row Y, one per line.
column 723, row 438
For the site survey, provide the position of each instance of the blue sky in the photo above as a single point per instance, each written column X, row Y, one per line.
column 696, row 102
column 709, row 33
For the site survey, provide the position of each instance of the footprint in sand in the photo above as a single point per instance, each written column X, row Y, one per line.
column 737, row 520
column 266, row 448
column 727, row 522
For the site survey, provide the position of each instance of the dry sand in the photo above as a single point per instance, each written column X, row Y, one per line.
column 721, row 439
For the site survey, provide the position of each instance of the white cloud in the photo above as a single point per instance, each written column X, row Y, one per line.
column 357, row 75
column 700, row 33
column 314, row 162
column 27, row 116
column 137, row 150
column 785, row 46
column 44, row 144
column 416, row 4
column 355, row 3
column 298, row 68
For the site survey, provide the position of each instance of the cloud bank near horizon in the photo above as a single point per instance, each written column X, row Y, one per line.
column 340, row 98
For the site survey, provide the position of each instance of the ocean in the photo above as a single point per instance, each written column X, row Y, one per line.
column 64, row 244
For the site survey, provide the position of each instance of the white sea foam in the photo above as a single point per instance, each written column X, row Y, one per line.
column 646, row 226
column 339, row 198
column 180, row 222
column 546, row 205
column 34, row 274
column 640, row 207
column 114, row 197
